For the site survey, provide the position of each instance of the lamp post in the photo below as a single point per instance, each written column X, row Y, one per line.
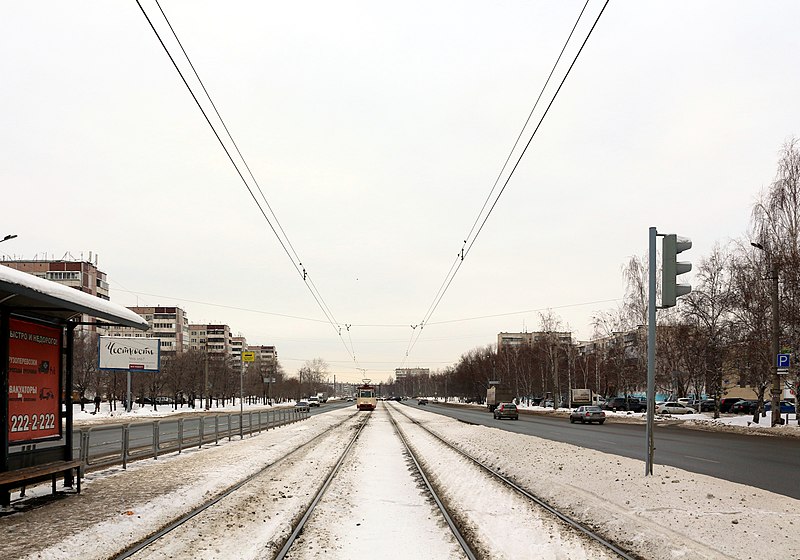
column 776, row 380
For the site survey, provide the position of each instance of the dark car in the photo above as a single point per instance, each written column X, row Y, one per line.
column 631, row 404
column 744, row 406
column 422, row 401
column 728, row 402
column 506, row 410
column 706, row 405
column 587, row 413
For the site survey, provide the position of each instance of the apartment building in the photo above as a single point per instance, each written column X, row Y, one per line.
column 215, row 339
column 267, row 358
column 402, row 373
column 517, row 339
column 170, row 324
column 80, row 274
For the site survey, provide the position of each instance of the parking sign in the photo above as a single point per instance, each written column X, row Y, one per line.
column 783, row 361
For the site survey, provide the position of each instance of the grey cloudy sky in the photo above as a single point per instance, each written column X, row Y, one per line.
column 376, row 131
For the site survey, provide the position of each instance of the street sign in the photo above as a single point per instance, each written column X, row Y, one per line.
column 783, row 361
column 248, row 356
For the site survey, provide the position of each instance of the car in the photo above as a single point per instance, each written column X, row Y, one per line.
column 506, row 410
column 631, row 404
column 422, row 401
column 313, row 401
column 587, row 413
column 785, row 406
column 349, row 399
column 674, row 407
column 301, row 405
column 707, row 405
column 726, row 403
column 745, row 406
column 398, row 399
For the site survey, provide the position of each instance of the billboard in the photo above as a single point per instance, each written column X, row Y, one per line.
column 143, row 354
column 34, row 381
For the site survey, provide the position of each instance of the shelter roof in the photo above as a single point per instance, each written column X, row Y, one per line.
column 23, row 292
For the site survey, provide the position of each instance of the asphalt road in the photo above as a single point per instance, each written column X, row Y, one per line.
column 768, row 462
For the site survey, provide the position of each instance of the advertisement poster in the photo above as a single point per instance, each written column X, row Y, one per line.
column 34, row 366
column 142, row 354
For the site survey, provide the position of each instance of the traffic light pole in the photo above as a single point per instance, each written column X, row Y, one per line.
column 651, row 352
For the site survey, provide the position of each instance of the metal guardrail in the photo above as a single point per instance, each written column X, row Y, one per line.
column 120, row 443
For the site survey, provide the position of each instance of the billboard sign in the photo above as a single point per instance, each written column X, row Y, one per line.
column 34, row 381
column 142, row 354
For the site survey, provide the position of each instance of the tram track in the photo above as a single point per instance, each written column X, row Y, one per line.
column 565, row 520
column 158, row 539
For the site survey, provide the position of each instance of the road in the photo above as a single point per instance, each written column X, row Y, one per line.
column 767, row 462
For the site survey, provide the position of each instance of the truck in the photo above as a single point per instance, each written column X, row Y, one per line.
column 497, row 394
column 323, row 397
column 582, row 397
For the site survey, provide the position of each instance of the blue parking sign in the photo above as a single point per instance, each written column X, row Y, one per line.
column 783, row 361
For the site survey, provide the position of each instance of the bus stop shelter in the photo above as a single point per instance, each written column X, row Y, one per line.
column 37, row 324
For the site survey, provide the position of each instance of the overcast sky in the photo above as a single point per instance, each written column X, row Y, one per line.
column 376, row 130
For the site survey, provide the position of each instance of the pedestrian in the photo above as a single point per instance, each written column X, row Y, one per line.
column 96, row 404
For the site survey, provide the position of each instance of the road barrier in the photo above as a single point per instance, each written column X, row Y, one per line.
column 114, row 444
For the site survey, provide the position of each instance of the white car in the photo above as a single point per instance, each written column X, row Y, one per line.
column 313, row 401
column 674, row 407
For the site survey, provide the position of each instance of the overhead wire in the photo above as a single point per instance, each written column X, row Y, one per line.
column 467, row 247
column 298, row 264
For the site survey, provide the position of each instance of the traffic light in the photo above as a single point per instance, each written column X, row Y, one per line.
column 671, row 268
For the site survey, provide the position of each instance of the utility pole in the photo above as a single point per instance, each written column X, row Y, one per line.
column 775, row 390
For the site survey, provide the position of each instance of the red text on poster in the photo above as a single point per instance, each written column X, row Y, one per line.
column 34, row 374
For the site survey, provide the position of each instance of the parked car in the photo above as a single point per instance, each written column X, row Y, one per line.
column 631, row 404
column 726, row 403
column 587, row 413
column 673, row 407
column 785, row 406
column 707, row 405
column 422, row 401
column 506, row 410
column 745, row 406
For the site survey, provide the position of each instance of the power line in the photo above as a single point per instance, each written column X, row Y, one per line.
column 296, row 260
column 467, row 247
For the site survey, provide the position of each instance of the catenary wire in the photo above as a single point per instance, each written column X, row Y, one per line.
column 297, row 265
column 464, row 252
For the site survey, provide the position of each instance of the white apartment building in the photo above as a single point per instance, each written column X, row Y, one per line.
column 170, row 324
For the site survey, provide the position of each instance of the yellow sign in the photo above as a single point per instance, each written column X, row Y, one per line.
column 248, row 356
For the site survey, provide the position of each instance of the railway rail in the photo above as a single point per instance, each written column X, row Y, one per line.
column 575, row 525
column 160, row 537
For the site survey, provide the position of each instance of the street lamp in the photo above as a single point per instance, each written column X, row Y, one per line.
column 7, row 237
column 776, row 380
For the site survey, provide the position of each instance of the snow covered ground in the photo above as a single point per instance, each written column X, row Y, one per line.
column 673, row 514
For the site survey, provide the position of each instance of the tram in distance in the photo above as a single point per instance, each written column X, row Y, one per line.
column 366, row 399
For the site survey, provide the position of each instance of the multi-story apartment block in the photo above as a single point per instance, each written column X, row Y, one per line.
column 267, row 357
column 215, row 339
column 402, row 373
column 79, row 274
column 238, row 344
column 516, row 339
column 170, row 324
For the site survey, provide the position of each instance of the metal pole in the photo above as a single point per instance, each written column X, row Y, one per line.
column 129, row 402
column 651, row 353
column 776, row 379
column 241, row 400
column 207, row 403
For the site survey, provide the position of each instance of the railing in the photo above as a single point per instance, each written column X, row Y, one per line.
column 120, row 443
